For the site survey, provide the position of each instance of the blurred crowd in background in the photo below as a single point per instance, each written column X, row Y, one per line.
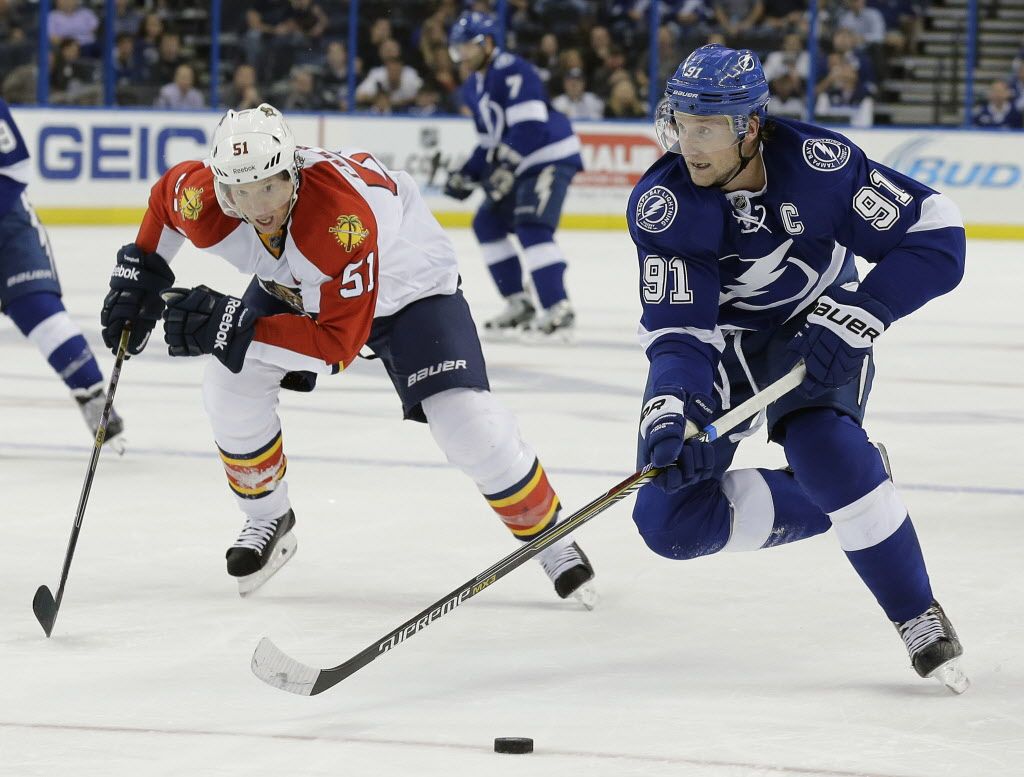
column 593, row 54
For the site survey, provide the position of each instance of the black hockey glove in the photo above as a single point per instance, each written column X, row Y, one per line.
column 459, row 186
column 663, row 425
column 201, row 320
column 134, row 297
column 837, row 338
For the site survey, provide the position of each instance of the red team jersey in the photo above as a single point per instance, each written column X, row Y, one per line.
column 360, row 243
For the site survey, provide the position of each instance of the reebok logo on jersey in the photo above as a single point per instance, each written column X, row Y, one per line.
column 446, row 366
column 826, row 154
column 226, row 321
column 128, row 273
column 656, row 209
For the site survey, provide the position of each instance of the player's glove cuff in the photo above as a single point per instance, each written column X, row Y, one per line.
column 856, row 318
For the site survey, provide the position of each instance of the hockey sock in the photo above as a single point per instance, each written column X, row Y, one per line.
column 545, row 262
column 843, row 474
column 503, row 263
column 528, row 506
column 41, row 317
column 258, row 475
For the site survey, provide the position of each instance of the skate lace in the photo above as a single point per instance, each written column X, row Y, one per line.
column 256, row 533
column 922, row 631
column 557, row 562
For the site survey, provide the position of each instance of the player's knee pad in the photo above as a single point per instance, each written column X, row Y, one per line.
column 241, row 406
column 489, row 226
column 688, row 524
column 831, row 457
column 480, row 436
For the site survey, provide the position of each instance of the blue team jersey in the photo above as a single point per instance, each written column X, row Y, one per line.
column 13, row 160
column 510, row 107
column 711, row 262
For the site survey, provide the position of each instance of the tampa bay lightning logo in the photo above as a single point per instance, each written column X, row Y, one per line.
column 656, row 209
column 826, row 154
column 761, row 280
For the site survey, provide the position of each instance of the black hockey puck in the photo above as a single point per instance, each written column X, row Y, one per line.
column 515, row 745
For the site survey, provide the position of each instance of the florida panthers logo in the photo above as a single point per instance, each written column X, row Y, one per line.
column 349, row 232
column 656, row 209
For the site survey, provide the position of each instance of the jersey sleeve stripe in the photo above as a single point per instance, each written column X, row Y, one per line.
column 712, row 337
column 937, row 212
column 530, row 110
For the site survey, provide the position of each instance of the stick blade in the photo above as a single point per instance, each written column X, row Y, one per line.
column 45, row 609
column 277, row 669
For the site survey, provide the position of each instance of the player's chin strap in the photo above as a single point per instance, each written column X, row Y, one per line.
column 744, row 161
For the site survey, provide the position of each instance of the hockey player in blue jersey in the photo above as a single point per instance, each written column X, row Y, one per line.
column 746, row 232
column 527, row 155
column 30, row 293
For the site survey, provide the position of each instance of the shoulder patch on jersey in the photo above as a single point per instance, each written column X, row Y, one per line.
column 190, row 202
column 503, row 60
column 826, row 154
column 349, row 232
column 656, row 209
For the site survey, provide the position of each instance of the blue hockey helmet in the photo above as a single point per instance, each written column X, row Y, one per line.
column 714, row 81
column 470, row 27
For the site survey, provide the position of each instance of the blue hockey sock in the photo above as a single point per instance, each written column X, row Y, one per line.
column 42, row 319
column 550, row 284
column 508, row 276
column 843, row 474
column 895, row 572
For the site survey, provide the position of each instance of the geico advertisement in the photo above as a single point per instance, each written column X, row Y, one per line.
column 104, row 158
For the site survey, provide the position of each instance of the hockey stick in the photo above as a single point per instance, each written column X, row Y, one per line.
column 43, row 603
column 276, row 668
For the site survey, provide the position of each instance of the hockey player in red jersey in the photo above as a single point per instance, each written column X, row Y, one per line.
column 343, row 253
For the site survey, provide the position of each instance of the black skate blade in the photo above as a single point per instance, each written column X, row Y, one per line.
column 45, row 609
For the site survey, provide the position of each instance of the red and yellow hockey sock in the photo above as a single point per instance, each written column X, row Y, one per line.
column 528, row 506
column 254, row 475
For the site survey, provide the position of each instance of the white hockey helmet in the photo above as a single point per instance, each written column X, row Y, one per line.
column 249, row 146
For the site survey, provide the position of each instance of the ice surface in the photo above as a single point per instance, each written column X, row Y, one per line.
column 772, row 663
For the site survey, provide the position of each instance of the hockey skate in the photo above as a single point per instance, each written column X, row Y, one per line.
column 518, row 313
column 558, row 322
column 91, row 402
column 934, row 647
column 264, row 546
column 569, row 569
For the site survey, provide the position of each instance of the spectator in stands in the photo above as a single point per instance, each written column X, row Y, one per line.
column 169, row 57
column 548, row 53
column 242, row 92
column 334, row 83
column 791, row 60
column 576, row 102
column 254, row 43
column 623, row 102
column 785, row 16
column 147, row 44
column 844, row 96
column 73, row 78
column 902, row 23
column 600, row 46
column 380, row 31
column 844, row 44
column 523, row 27
column 302, row 92
column 128, row 18
column 395, row 81
column 602, row 78
column 999, row 112
column 297, row 37
column 447, row 84
column 15, row 43
column 433, row 44
column 181, row 93
column 670, row 54
column 1017, row 84
column 788, row 96
column 68, row 19
column 866, row 23
column 739, row 19
column 127, row 72
column 427, row 103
